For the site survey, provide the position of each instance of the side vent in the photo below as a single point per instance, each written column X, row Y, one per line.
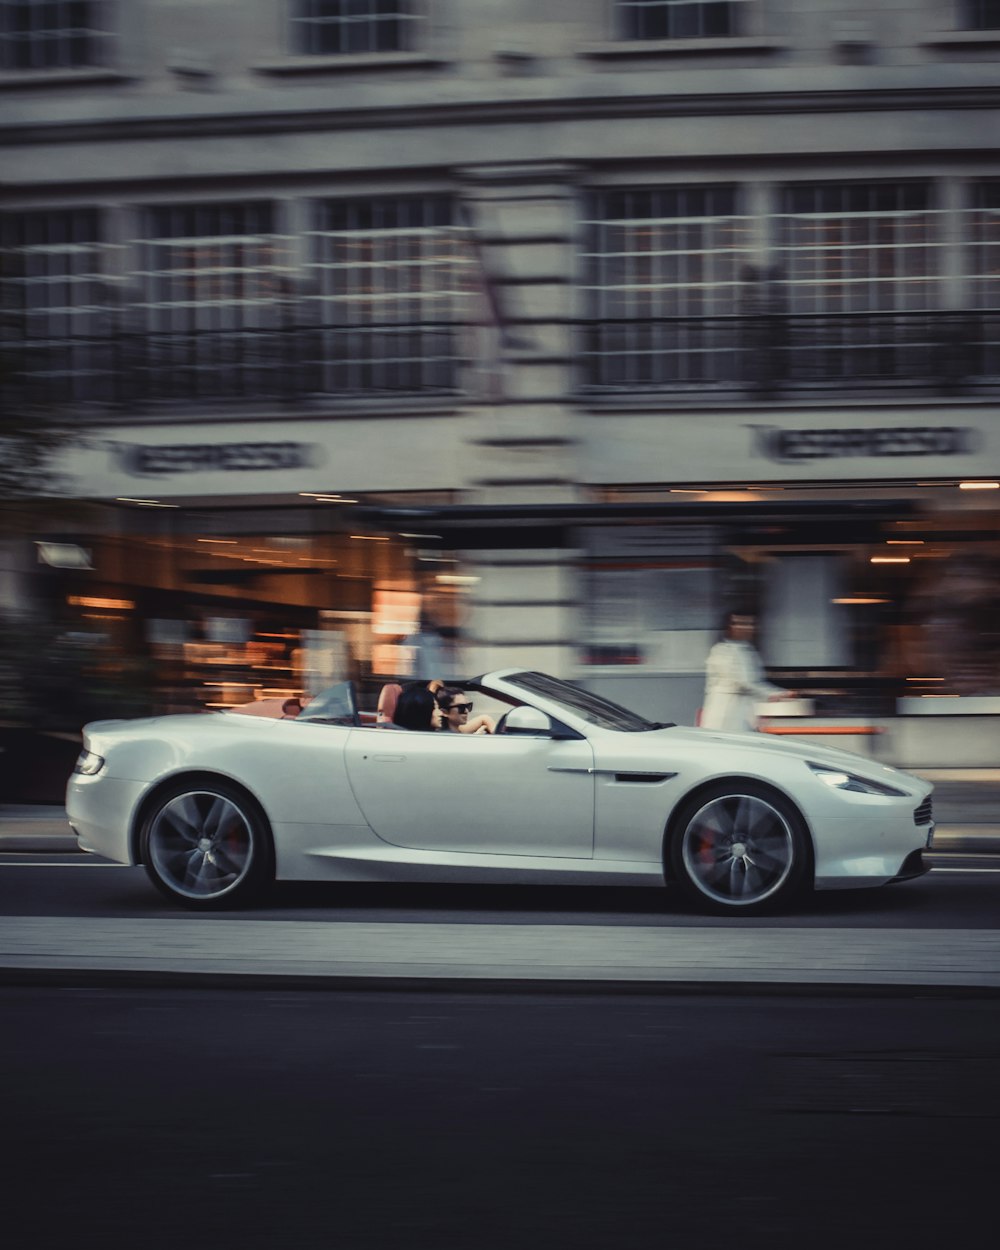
column 644, row 779
column 924, row 814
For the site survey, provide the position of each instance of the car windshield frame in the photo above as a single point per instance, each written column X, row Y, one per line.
column 592, row 708
column 336, row 705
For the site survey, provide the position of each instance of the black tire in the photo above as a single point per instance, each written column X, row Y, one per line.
column 739, row 847
column 205, row 844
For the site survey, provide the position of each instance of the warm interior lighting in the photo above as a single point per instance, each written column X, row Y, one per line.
column 369, row 538
column 231, row 541
column 395, row 612
column 904, row 542
column 979, row 486
column 925, row 679
column 858, row 599
column 456, row 579
column 888, row 559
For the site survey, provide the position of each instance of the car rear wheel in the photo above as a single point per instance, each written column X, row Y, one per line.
column 739, row 847
column 205, row 844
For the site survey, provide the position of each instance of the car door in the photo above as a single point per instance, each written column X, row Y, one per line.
column 475, row 793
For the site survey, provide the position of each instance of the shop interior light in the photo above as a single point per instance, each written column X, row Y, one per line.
column 230, row 541
column 369, row 538
column 979, row 486
column 904, row 542
column 95, row 601
column 859, row 599
column 925, row 679
column 888, row 559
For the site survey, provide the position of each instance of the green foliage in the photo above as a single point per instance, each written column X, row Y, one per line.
column 56, row 679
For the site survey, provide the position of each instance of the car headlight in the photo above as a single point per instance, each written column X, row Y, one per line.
column 88, row 764
column 838, row 779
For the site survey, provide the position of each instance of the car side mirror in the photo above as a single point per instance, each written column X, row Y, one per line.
column 529, row 721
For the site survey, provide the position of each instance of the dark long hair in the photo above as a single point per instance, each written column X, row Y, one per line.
column 415, row 707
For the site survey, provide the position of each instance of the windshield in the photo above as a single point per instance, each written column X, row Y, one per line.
column 334, row 706
column 589, row 707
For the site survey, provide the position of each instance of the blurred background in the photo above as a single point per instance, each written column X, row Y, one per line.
column 379, row 338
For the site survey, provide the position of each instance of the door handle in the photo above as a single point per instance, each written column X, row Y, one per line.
column 388, row 759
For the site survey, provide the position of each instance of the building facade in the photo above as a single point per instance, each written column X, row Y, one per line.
column 511, row 333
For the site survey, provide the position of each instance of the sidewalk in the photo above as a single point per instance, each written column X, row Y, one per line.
column 238, row 952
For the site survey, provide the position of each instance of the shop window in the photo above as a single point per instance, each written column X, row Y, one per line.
column 651, row 597
column 663, row 275
column 858, row 277
column 393, row 282
column 215, row 296
column 352, row 27
column 679, row 19
column 41, row 35
column 980, row 14
column 55, row 306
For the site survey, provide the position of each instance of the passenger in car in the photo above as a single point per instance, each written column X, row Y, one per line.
column 417, row 707
column 456, row 708
column 387, row 700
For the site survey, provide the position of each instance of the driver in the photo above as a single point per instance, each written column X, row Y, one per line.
column 456, row 707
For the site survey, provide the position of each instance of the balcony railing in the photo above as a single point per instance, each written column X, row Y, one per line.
column 772, row 351
column 753, row 355
column 141, row 370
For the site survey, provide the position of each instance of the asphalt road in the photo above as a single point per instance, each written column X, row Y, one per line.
column 371, row 1121
column 963, row 892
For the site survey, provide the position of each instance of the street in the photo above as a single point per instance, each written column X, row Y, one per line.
column 961, row 892
column 208, row 1118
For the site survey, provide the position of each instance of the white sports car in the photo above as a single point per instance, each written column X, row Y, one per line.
column 570, row 789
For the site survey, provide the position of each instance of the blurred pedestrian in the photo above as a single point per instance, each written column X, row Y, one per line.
column 734, row 679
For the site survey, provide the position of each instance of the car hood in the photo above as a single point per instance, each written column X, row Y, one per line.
column 764, row 745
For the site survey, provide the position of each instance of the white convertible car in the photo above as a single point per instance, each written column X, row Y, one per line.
column 570, row 789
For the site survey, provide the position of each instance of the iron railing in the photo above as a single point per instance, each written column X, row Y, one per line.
column 743, row 354
column 771, row 351
column 288, row 363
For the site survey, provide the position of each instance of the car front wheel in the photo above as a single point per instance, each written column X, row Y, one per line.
column 739, row 847
column 205, row 844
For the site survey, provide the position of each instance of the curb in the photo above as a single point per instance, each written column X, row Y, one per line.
column 109, row 978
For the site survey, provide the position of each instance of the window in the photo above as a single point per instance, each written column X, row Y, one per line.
column 983, row 256
column 392, row 280
column 216, row 300
column 980, row 14
column 349, row 27
column 42, row 34
column 858, row 272
column 54, row 305
column 678, row 19
column 663, row 277
column 983, row 278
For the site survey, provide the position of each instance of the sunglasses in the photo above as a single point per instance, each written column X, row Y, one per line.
column 459, row 707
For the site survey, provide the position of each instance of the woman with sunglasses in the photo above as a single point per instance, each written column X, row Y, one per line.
column 455, row 711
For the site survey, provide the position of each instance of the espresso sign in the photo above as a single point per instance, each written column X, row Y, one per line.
column 146, row 461
column 792, row 446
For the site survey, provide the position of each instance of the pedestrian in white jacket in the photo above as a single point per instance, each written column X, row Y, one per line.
column 734, row 680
